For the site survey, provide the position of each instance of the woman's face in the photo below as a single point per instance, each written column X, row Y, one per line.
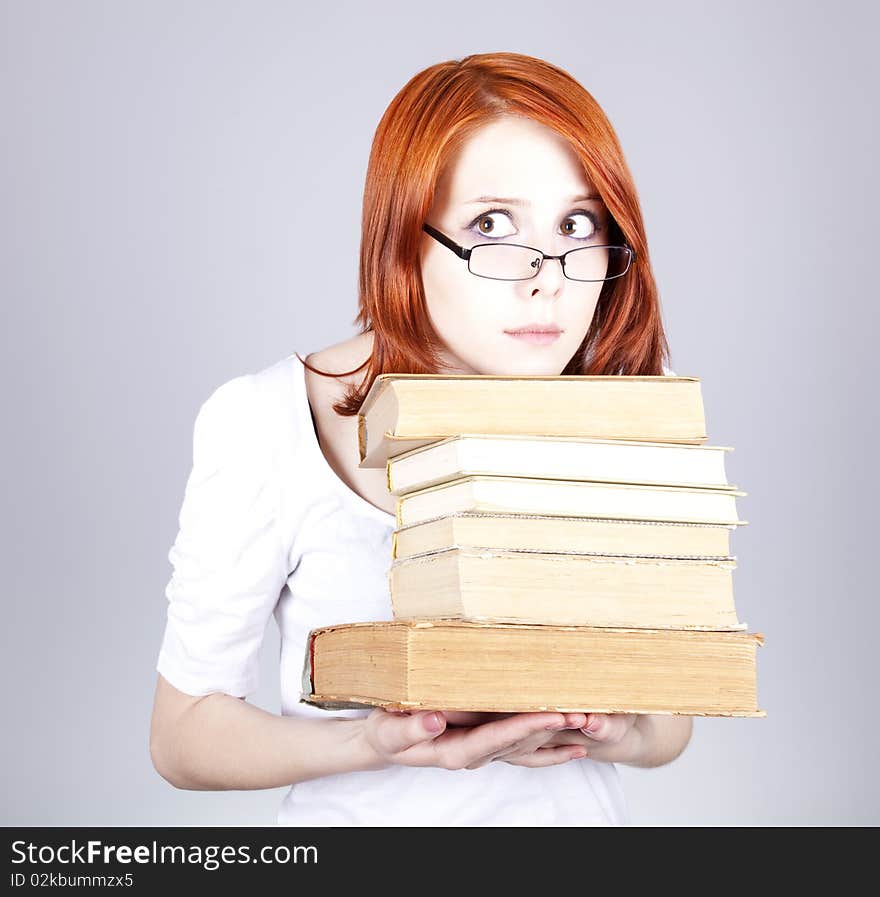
column 539, row 189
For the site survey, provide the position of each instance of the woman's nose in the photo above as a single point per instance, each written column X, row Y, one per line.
column 549, row 277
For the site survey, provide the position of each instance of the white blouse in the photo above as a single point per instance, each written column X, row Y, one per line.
column 267, row 527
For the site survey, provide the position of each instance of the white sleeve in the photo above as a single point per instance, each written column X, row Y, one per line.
column 229, row 562
column 668, row 372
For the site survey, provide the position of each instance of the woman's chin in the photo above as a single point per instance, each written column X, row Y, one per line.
column 518, row 366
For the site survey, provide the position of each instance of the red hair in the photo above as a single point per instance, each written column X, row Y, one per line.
column 424, row 125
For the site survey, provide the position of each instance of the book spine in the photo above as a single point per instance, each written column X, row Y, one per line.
column 362, row 436
column 308, row 682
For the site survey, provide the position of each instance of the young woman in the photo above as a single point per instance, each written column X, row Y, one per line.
column 496, row 150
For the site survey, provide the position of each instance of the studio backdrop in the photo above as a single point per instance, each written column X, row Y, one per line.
column 181, row 204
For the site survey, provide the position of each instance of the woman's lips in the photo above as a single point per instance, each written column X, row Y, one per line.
column 537, row 336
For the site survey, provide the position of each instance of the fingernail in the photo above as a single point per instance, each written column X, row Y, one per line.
column 591, row 726
column 433, row 722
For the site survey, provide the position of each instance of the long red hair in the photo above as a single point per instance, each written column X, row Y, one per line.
column 429, row 119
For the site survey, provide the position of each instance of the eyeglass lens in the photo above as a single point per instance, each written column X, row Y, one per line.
column 508, row 262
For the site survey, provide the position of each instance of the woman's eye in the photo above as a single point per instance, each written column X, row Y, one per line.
column 582, row 225
column 487, row 224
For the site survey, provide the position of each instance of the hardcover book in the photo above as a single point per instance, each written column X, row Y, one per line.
column 612, row 461
column 524, row 495
column 404, row 411
column 587, row 535
column 451, row 665
column 565, row 589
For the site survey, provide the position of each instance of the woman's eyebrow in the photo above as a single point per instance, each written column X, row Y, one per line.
column 513, row 201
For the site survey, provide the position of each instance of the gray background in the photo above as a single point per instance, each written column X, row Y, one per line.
column 181, row 197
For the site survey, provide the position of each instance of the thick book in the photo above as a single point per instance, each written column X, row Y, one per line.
column 404, row 411
column 586, row 535
column 565, row 589
column 507, row 668
column 569, row 458
column 526, row 495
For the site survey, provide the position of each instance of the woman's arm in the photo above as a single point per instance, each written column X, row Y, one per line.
column 218, row 742
column 661, row 738
column 221, row 743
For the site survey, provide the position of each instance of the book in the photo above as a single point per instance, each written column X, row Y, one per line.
column 589, row 535
column 565, row 589
column 562, row 458
column 516, row 668
column 529, row 495
column 401, row 412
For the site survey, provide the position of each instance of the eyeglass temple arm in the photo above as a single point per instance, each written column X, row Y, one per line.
column 460, row 251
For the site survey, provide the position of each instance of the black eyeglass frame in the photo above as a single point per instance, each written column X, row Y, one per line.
column 464, row 253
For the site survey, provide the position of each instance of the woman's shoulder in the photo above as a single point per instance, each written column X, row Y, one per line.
column 257, row 413
column 272, row 407
column 255, row 396
column 346, row 357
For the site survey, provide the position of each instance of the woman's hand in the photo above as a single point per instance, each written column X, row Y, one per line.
column 464, row 740
column 608, row 737
column 643, row 739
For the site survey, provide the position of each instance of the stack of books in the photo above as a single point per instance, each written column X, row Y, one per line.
column 562, row 543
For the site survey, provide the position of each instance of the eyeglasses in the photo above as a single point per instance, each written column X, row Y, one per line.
column 511, row 261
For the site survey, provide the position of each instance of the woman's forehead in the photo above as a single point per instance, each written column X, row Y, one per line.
column 517, row 159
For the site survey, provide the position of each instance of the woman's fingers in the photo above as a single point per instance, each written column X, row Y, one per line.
column 472, row 748
column 571, row 737
column 609, row 727
column 546, row 756
column 526, row 746
column 479, row 718
column 395, row 733
column 428, row 738
column 460, row 748
column 540, row 749
column 470, row 718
